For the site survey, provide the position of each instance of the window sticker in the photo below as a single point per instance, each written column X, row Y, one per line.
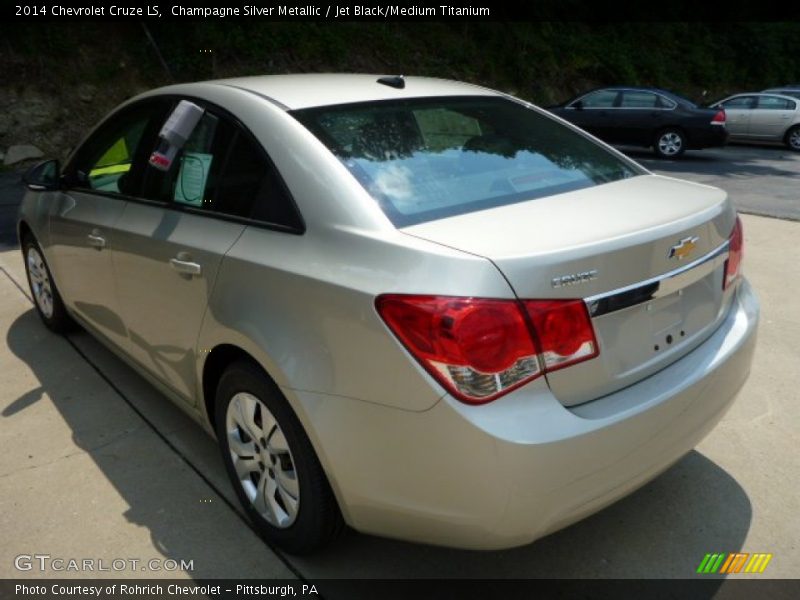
column 192, row 177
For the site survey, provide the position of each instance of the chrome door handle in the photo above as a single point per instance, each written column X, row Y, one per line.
column 185, row 267
column 96, row 241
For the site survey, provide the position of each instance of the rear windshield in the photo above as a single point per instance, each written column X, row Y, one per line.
column 426, row 159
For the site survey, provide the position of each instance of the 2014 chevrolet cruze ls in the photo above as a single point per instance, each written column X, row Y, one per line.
column 422, row 308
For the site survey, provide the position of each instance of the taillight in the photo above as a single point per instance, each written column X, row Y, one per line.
column 733, row 265
column 719, row 118
column 564, row 332
column 480, row 349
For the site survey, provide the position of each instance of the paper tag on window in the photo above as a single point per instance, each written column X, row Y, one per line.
column 190, row 188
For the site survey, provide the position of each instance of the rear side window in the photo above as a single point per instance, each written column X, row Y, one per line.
column 664, row 102
column 775, row 103
column 250, row 187
column 193, row 178
column 222, row 170
column 639, row 100
column 431, row 158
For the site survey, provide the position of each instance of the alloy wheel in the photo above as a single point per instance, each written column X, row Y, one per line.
column 670, row 143
column 794, row 139
column 262, row 460
column 40, row 282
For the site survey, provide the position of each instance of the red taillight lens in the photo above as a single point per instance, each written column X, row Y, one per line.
column 733, row 265
column 480, row 349
column 719, row 117
column 564, row 331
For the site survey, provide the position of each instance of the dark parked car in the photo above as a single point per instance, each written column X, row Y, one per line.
column 647, row 117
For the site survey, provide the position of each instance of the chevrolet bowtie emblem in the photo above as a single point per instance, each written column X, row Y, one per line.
column 683, row 248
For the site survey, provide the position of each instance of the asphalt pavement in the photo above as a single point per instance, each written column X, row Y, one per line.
column 761, row 180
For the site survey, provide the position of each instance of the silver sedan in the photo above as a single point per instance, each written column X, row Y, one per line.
column 421, row 308
column 760, row 117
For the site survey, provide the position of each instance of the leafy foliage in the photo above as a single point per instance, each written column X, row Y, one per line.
column 543, row 61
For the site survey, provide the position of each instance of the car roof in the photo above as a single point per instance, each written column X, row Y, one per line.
column 757, row 94
column 779, row 95
column 632, row 88
column 310, row 90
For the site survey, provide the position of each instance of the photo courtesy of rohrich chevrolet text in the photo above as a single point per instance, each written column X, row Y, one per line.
column 344, row 301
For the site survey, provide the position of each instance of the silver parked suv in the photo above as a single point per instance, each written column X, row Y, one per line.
column 422, row 308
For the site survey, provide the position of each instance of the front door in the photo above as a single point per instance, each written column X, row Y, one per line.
column 98, row 181
column 738, row 111
column 593, row 113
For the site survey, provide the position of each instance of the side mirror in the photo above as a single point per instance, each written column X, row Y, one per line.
column 43, row 176
column 578, row 105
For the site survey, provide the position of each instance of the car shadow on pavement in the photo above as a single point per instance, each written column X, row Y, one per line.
column 661, row 531
column 184, row 516
column 737, row 161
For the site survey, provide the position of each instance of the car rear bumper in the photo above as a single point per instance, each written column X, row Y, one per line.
column 509, row 472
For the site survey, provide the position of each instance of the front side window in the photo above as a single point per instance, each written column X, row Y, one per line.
column 741, row 102
column 432, row 158
column 600, row 99
column 106, row 161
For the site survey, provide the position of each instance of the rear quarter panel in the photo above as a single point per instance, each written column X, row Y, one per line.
column 304, row 305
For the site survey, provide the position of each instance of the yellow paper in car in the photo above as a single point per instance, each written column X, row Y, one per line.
column 192, row 177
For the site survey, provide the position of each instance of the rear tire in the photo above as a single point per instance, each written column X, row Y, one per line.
column 271, row 463
column 669, row 143
column 792, row 139
column 45, row 294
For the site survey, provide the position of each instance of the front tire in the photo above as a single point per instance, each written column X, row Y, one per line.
column 271, row 463
column 793, row 138
column 670, row 143
column 46, row 298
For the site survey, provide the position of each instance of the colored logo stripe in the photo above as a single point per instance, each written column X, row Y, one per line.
column 758, row 563
column 734, row 562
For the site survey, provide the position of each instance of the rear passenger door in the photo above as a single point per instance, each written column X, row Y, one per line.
column 771, row 117
column 170, row 244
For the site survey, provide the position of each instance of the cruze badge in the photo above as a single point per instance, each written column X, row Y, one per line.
column 683, row 248
column 574, row 278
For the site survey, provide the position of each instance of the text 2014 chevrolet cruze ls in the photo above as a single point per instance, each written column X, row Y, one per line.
column 422, row 308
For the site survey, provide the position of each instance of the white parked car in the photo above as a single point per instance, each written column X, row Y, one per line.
column 760, row 117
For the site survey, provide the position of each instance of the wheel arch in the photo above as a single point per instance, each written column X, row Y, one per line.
column 23, row 230
column 219, row 358
column 680, row 128
column 788, row 132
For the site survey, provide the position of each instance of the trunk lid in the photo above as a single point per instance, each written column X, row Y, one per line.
column 646, row 253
